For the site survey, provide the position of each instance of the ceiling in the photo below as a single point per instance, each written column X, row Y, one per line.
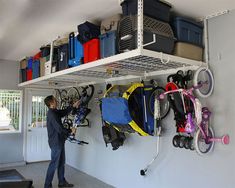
column 25, row 25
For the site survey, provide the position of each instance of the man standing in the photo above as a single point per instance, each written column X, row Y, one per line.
column 56, row 139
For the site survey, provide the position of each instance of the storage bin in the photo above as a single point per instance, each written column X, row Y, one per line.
column 110, row 24
column 91, row 50
column 76, row 53
column 63, row 51
column 48, row 67
column 152, row 8
column 29, row 74
column 187, row 30
column 36, row 69
column 189, row 51
column 23, row 75
column 23, row 63
column 30, row 63
column 45, row 51
column 43, row 60
column 37, row 56
column 108, row 44
column 158, row 35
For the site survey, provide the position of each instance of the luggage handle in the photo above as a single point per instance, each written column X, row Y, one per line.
column 72, row 45
column 127, row 37
column 110, row 26
column 152, row 42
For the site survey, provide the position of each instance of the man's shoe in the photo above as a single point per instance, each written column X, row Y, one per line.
column 65, row 184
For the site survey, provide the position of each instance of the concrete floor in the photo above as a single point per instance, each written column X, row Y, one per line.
column 37, row 172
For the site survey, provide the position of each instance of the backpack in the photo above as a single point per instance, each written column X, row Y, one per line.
column 112, row 136
column 88, row 31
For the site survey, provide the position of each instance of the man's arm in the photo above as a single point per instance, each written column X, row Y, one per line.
column 65, row 112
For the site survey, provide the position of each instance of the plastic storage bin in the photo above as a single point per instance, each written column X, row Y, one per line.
column 29, row 74
column 152, row 8
column 63, row 52
column 91, row 50
column 108, row 44
column 110, row 24
column 36, row 69
column 76, row 53
column 187, row 30
column 158, row 35
column 189, row 51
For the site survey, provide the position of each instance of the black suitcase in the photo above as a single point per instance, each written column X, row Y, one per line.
column 63, row 51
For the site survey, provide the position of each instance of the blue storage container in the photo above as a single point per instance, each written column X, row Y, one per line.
column 36, row 69
column 152, row 8
column 76, row 54
column 30, row 63
column 108, row 44
column 187, row 30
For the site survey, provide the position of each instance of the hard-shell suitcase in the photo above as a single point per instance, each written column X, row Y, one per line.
column 75, row 51
column 91, row 50
column 63, row 51
column 36, row 69
column 108, row 44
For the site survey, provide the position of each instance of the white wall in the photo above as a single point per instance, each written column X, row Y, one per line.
column 11, row 144
column 175, row 168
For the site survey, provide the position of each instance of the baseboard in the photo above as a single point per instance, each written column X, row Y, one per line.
column 7, row 165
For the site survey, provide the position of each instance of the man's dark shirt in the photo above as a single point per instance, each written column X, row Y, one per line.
column 56, row 132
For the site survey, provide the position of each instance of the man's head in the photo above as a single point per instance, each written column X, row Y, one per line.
column 50, row 102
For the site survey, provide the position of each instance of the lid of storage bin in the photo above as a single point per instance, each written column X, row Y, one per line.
column 159, row 1
column 179, row 18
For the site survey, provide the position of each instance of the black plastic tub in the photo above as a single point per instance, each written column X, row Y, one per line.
column 152, row 8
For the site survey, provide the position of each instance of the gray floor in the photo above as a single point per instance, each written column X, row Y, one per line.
column 37, row 172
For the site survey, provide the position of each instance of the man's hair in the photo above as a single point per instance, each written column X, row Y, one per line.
column 48, row 100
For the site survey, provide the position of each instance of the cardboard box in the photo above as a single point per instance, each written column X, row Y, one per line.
column 43, row 60
column 23, row 63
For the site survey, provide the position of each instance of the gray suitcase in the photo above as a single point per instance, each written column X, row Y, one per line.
column 110, row 24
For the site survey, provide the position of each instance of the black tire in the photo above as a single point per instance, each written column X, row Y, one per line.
column 164, row 103
column 175, row 140
column 181, row 142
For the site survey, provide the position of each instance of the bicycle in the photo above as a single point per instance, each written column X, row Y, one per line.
column 204, row 135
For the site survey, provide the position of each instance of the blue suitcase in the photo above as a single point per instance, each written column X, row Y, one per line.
column 36, row 69
column 30, row 63
column 108, row 44
column 76, row 54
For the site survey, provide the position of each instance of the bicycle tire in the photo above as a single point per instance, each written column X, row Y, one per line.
column 89, row 97
column 57, row 95
column 207, row 89
column 198, row 137
column 164, row 103
column 73, row 94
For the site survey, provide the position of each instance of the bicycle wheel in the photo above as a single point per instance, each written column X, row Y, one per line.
column 204, row 75
column 200, row 144
column 57, row 95
column 87, row 94
column 73, row 95
column 164, row 104
column 84, row 123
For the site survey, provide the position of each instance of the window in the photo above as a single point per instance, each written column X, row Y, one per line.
column 10, row 110
column 39, row 112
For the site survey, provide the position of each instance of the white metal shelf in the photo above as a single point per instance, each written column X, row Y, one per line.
column 129, row 65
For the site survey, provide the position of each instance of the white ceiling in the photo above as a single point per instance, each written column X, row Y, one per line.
column 25, row 25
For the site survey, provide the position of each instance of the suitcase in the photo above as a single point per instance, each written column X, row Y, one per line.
column 63, row 51
column 29, row 74
column 152, row 8
column 157, row 35
column 88, row 31
column 23, row 77
column 108, row 44
column 189, row 51
column 30, row 63
column 36, row 69
column 76, row 53
column 91, row 50
column 110, row 24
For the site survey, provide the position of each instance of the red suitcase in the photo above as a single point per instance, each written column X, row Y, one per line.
column 91, row 50
column 29, row 75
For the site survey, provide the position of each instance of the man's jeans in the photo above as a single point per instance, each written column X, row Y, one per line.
column 57, row 162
